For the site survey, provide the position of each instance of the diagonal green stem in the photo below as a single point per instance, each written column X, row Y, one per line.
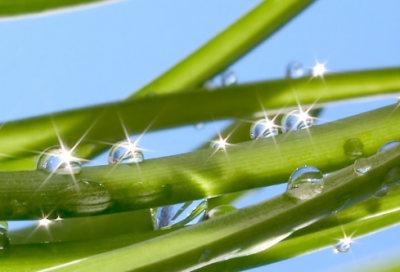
column 19, row 138
column 199, row 174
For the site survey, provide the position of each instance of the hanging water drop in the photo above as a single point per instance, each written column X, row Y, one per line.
column 125, row 152
column 220, row 210
column 353, row 148
column 296, row 120
column 382, row 192
column 295, row 70
column 306, row 182
column 228, row 78
column 179, row 215
column 362, row 166
column 59, row 160
column 263, row 128
column 342, row 246
column 388, row 146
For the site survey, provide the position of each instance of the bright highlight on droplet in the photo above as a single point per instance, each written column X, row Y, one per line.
column 263, row 128
column 59, row 160
column 297, row 119
column 125, row 152
column 319, row 70
column 44, row 222
column 219, row 144
column 343, row 245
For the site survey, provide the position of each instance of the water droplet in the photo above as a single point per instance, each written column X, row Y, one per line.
column 59, row 160
column 88, row 197
column 362, row 166
column 179, row 215
column 296, row 120
column 228, row 78
column 4, row 240
column 210, row 85
column 3, row 225
column 296, row 70
column 342, row 246
column 306, row 182
column 219, row 144
column 392, row 176
column 382, row 192
column 221, row 210
column 199, row 126
column 353, row 148
column 341, row 203
column 388, row 146
column 205, row 256
column 263, row 129
column 125, row 152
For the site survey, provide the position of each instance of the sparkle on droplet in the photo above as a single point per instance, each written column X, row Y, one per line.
column 44, row 222
column 59, row 160
column 263, row 128
column 296, row 120
column 219, row 144
column 125, row 152
column 343, row 245
column 306, row 182
column 319, row 70
column 362, row 166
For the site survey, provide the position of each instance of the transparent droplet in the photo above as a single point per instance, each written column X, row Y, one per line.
column 199, row 126
column 353, row 148
column 220, row 210
column 382, row 192
column 263, row 129
column 3, row 225
column 59, row 160
column 342, row 246
column 341, row 203
column 296, row 120
column 205, row 256
column 388, row 146
column 362, row 166
column 392, row 176
column 88, row 197
column 210, row 85
column 306, row 182
column 219, row 144
column 125, row 152
column 228, row 78
column 179, row 215
column 296, row 70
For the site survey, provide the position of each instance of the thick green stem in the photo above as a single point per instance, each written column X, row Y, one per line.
column 19, row 138
column 204, row 173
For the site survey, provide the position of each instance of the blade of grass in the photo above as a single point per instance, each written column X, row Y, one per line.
column 225, row 237
column 196, row 175
column 227, row 47
column 19, row 140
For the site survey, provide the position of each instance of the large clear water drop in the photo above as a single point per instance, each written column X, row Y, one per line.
column 263, row 129
column 353, row 148
column 59, row 160
column 306, row 182
column 362, row 166
column 388, row 146
column 296, row 120
column 220, row 210
column 125, row 152
column 179, row 215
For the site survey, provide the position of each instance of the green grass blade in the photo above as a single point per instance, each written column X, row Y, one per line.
column 198, row 174
column 20, row 139
column 22, row 7
column 227, row 47
column 225, row 237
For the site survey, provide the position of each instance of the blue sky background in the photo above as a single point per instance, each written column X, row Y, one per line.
column 94, row 55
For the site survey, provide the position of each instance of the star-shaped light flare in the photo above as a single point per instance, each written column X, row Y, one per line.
column 319, row 70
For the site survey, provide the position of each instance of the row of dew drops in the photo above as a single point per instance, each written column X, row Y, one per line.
column 305, row 182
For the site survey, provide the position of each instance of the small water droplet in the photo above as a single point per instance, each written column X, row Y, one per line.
column 353, row 148
column 179, row 215
column 220, row 210
column 341, row 203
column 59, row 160
column 296, row 70
column 125, row 152
column 392, row 176
column 388, row 146
column 342, row 246
column 296, row 120
column 382, row 192
column 263, row 129
column 362, row 166
column 199, row 126
column 3, row 225
column 88, row 197
column 205, row 256
column 219, row 144
column 228, row 78
column 306, row 182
